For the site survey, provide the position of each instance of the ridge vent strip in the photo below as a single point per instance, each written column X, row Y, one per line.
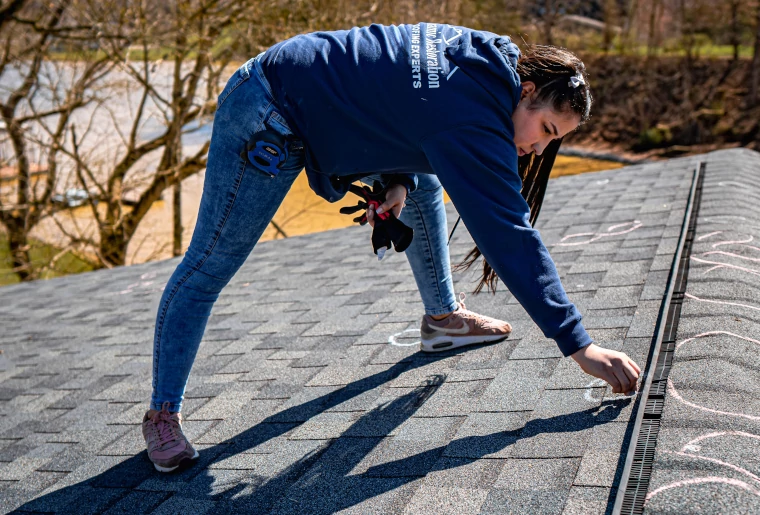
column 637, row 471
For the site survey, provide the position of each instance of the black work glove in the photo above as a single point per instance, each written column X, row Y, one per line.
column 388, row 229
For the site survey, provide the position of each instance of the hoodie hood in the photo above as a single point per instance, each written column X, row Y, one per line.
column 491, row 61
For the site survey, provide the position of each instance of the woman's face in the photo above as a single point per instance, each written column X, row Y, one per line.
column 534, row 129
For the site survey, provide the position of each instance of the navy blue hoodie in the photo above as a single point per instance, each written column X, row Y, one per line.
column 425, row 98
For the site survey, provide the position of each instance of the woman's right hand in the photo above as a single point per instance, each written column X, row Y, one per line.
column 394, row 201
column 620, row 371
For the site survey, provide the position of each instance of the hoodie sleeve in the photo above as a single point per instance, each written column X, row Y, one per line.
column 478, row 168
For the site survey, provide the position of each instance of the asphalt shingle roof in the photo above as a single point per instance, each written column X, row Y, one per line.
column 298, row 403
column 707, row 453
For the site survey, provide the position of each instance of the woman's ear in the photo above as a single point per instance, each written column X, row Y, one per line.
column 528, row 88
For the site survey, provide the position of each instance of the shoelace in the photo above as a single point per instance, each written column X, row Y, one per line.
column 477, row 316
column 165, row 426
column 463, row 307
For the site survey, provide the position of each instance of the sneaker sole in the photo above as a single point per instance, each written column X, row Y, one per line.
column 444, row 343
column 169, row 469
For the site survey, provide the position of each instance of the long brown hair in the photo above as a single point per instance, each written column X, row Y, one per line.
column 550, row 68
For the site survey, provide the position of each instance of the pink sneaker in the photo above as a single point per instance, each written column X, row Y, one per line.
column 460, row 328
column 167, row 446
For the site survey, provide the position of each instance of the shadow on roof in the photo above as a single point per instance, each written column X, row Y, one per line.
column 321, row 481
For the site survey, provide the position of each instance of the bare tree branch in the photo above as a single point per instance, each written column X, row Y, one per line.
column 9, row 10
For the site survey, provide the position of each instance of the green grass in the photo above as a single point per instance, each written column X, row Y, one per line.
column 673, row 48
column 712, row 51
column 40, row 254
column 592, row 42
column 703, row 47
column 75, row 55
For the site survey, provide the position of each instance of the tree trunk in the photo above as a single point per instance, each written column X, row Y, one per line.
column 735, row 29
column 113, row 248
column 548, row 22
column 688, row 44
column 653, row 32
column 610, row 19
column 630, row 16
column 687, row 36
column 17, row 242
column 177, row 215
column 755, row 60
column 16, row 220
column 174, row 149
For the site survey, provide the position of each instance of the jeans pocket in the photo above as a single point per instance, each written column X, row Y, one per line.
column 276, row 122
column 241, row 75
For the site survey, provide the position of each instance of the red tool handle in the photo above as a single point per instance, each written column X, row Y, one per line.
column 376, row 204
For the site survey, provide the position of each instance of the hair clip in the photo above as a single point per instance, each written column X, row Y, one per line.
column 576, row 80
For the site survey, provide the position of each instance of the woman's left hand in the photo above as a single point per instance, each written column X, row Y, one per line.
column 394, row 201
column 614, row 367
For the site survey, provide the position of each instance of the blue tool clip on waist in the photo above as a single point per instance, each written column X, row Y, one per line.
column 267, row 151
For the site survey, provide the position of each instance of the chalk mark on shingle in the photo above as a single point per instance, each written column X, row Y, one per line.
column 694, row 297
column 393, row 341
column 701, row 480
column 731, row 242
column 708, row 235
column 672, row 388
column 635, row 224
column 693, row 448
column 589, row 390
column 719, row 265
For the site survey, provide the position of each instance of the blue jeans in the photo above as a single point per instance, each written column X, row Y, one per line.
column 235, row 195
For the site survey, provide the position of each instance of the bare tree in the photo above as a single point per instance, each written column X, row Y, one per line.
column 653, row 40
column 151, row 72
column 168, row 57
column 611, row 15
column 629, row 24
column 37, row 100
column 8, row 11
column 735, row 35
column 550, row 16
column 188, row 38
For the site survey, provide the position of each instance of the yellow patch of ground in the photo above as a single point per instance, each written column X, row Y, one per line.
column 566, row 165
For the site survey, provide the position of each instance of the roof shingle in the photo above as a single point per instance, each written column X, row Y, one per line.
column 298, row 403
